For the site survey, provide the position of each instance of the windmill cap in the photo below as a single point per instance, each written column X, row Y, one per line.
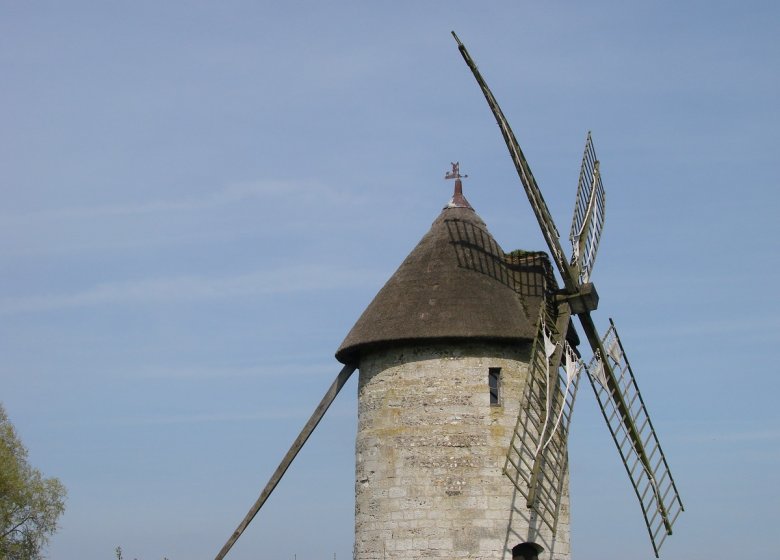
column 457, row 284
column 526, row 548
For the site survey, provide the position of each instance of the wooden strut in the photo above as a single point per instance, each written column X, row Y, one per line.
column 562, row 326
column 617, row 396
column 316, row 416
column 570, row 280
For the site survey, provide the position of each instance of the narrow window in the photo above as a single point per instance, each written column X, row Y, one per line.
column 494, row 382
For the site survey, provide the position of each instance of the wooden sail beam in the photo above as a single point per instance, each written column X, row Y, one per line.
column 307, row 430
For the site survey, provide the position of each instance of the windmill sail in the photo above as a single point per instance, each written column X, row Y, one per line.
column 537, row 458
column 550, row 232
column 638, row 446
column 646, row 466
column 588, row 214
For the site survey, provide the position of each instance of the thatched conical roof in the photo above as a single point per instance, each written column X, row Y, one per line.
column 457, row 284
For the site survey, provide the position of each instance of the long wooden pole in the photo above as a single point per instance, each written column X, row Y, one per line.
column 539, row 206
column 316, row 416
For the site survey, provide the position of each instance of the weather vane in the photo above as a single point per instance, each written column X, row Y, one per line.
column 455, row 173
column 458, row 200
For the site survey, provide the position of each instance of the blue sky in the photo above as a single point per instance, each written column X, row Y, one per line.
column 199, row 199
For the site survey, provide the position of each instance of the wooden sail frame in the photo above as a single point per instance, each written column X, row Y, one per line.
column 537, row 459
column 581, row 296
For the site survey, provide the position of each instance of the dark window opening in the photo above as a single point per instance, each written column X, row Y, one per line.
column 494, row 382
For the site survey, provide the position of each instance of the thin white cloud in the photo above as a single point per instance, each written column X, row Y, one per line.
column 295, row 192
column 221, row 417
column 735, row 437
column 298, row 278
column 240, row 210
column 211, row 372
column 747, row 325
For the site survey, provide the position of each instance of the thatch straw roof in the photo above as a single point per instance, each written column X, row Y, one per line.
column 457, row 284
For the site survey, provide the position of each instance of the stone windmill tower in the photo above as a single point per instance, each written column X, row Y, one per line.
column 443, row 352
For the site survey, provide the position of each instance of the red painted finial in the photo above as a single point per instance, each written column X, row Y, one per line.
column 458, row 200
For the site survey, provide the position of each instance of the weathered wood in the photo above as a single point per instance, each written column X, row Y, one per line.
column 562, row 328
column 319, row 412
column 539, row 206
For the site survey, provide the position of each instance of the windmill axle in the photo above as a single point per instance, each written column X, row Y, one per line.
column 584, row 301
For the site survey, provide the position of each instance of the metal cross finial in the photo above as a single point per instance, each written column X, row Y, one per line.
column 455, row 173
column 458, row 200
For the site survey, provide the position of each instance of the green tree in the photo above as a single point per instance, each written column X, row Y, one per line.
column 29, row 504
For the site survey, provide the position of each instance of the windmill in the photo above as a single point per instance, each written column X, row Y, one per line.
column 469, row 371
column 609, row 371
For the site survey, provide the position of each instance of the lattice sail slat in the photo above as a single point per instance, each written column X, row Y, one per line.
column 589, row 212
column 651, row 478
column 537, row 458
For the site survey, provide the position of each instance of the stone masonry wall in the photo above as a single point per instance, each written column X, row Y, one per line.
column 430, row 453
